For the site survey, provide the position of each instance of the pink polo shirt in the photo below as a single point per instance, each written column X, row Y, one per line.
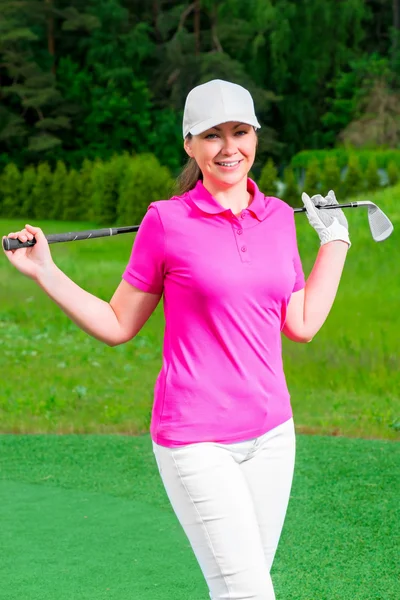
column 226, row 283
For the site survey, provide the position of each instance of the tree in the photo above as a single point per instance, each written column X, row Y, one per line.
column 107, row 179
column 267, row 182
column 291, row 193
column 28, row 183
column 41, row 193
column 353, row 181
column 73, row 209
column 145, row 181
column 57, row 190
column 330, row 176
column 10, row 183
column 34, row 108
column 379, row 124
column 312, row 178
column 85, row 187
column 372, row 179
column 392, row 173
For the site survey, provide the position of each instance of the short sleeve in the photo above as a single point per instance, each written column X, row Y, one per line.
column 298, row 267
column 145, row 269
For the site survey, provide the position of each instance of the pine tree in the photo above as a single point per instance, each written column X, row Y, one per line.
column 353, row 179
column 145, row 181
column 41, row 193
column 85, row 188
column 10, row 183
column 267, row 182
column 392, row 173
column 105, row 193
column 330, row 176
column 72, row 207
column 26, row 191
column 312, row 178
column 36, row 115
column 372, row 179
column 57, row 190
column 291, row 193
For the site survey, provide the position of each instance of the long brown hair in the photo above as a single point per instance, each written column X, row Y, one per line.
column 189, row 175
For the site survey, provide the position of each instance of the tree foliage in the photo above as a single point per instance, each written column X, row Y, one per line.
column 88, row 80
column 268, row 179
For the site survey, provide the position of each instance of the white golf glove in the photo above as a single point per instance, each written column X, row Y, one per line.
column 329, row 224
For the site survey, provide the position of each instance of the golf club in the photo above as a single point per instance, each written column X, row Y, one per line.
column 379, row 224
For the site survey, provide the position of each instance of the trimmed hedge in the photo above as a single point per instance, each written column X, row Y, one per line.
column 317, row 172
column 115, row 191
column 302, row 159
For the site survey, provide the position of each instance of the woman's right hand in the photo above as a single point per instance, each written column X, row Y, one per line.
column 34, row 260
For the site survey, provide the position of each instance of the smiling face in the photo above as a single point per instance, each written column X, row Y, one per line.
column 225, row 153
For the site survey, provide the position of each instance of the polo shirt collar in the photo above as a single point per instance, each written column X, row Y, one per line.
column 207, row 203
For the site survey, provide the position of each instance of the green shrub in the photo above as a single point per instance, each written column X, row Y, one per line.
column 72, row 209
column 10, row 183
column 268, row 177
column 145, row 181
column 353, row 181
column 312, row 178
column 104, row 194
column 372, row 180
column 383, row 157
column 393, row 173
column 57, row 190
column 28, row 182
column 41, row 192
column 330, row 176
column 85, row 187
column 106, row 180
column 291, row 193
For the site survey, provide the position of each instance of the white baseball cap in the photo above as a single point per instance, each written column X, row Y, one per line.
column 216, row 102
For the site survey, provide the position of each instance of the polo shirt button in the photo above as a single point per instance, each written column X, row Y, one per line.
column 242, row 216
column 239, row 231
column 243, row 248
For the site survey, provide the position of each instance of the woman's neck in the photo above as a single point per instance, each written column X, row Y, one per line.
column 236, row 197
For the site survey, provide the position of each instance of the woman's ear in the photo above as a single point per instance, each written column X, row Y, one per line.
column 187, row 146
column 255, row 131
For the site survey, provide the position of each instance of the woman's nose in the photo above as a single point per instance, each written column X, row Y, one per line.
column 229, row 147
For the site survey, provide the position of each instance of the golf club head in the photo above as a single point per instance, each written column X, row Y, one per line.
column 379, row 224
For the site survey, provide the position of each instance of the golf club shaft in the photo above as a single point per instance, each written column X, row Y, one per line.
column 349, row 205
column 12, row 244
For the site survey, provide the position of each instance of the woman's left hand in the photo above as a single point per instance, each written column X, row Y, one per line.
column 329, row 224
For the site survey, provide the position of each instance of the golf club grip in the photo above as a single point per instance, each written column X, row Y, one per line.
column 12, row 244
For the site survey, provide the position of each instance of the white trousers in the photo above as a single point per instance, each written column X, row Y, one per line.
column 231, row 501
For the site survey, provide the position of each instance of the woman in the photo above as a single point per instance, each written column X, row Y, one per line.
column 225, row 259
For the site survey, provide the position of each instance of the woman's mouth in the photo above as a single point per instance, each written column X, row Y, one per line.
column 229, row 164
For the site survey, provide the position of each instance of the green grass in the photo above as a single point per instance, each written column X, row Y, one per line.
column 59, row 380
column 87, row 517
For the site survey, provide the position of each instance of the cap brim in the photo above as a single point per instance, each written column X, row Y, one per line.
column 204, row 125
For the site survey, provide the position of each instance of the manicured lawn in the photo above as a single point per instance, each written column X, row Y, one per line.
column 87, row 518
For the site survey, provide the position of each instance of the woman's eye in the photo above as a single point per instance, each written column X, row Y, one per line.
column 211, row 136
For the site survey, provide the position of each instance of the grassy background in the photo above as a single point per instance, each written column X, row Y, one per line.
column 87, row 517
column 55, row 379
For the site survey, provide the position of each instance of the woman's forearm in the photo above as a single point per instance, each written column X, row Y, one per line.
column 322, row 285
column 93, row 315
